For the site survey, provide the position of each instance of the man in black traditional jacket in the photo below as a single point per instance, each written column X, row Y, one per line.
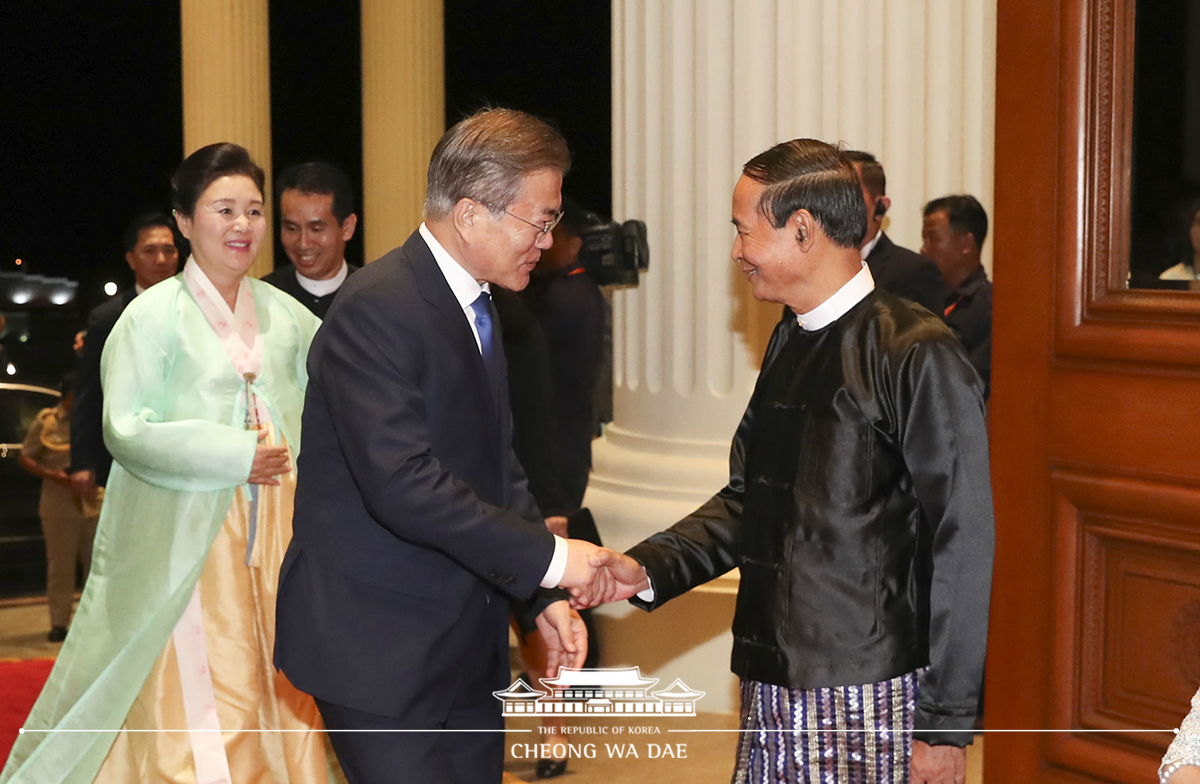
column 858, row 507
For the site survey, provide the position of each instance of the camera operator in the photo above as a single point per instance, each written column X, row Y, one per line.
column 570, row 310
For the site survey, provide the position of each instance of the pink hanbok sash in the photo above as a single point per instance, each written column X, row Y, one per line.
column 237, row 330
column 239, row 333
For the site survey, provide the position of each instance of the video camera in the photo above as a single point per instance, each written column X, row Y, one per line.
column 614, row 253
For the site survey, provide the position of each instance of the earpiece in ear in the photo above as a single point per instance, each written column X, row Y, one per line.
column 880, row 209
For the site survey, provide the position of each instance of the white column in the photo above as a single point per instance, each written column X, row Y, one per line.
column 227, row 86
column 700, row 87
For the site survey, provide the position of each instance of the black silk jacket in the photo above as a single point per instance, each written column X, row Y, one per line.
column 859, row 512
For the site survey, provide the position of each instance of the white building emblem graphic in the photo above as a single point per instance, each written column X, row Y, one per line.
column 611, row 691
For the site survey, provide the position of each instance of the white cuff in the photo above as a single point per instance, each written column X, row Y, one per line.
column 648, row 594
column 558, row 564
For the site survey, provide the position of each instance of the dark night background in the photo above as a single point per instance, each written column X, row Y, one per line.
column 91, row 124
column 1160, row 141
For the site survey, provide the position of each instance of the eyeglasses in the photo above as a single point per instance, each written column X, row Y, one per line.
column 543, row 228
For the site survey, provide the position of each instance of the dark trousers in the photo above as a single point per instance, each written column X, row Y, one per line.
column 394, row 751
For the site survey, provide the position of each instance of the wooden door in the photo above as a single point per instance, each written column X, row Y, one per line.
column 1096, row 455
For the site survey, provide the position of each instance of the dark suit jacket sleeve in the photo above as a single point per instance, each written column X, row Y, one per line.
column 368, row 364
column 87, row 436
column 526, row 506
column 908, row 274
column 943, row 438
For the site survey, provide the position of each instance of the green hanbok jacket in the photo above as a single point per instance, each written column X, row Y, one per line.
column 173, row 419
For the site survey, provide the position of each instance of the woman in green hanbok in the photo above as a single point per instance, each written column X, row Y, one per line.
column 204, row 382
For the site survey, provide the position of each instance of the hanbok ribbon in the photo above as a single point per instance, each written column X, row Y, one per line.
column 237, row 329
column 199, row 696
column 240, row 336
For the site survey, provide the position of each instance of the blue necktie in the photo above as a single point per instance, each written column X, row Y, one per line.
column 487, row 347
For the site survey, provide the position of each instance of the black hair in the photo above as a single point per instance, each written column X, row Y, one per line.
column 807, row 174
column 320, row 178
column 872, row 171
column 964, row 213
column 149, row 220
column 205, row 166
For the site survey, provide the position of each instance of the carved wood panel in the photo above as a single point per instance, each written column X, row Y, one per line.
column 1127, row 632
column 1095, row 450
column 1097, row 316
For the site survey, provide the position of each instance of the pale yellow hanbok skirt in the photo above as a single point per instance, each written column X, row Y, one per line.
column 252, row 698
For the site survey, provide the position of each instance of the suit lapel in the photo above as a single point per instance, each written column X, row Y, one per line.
column 448, row 318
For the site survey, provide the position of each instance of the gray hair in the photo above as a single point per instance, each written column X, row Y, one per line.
column 485, row 158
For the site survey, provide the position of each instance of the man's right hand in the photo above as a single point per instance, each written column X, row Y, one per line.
column 269, row 462
column 580, row 574
column 84, row 483
column 618, row 577
column 938, row 764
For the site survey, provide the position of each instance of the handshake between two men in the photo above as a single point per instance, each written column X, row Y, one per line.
column 598, row 575
column 593, row 575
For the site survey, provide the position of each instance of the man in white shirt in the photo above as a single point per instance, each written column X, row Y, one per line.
column 414, row 526
column 316, row 215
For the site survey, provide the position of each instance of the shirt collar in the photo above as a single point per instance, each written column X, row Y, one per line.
column 972, row 283
column 319, row 288
column 832, row 309
column 466, row 289
column 870, row 246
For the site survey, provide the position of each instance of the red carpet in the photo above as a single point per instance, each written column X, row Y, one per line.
column 21, row 681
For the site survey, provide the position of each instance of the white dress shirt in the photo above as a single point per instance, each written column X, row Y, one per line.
column 466, row 290
column 319, row 288
column 850, row 294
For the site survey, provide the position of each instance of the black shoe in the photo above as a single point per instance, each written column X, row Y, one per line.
column 551, row 768
column 57, row 634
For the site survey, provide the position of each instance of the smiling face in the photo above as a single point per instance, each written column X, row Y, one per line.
column 504, row 249
column 770, row 258
column 310, row 233
column 226, row 229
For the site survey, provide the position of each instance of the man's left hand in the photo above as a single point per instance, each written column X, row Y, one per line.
column 565, row 636
column 557, row 525
column 938, row 764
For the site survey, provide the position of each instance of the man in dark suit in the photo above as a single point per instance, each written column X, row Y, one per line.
column 413, row 524
column 895, row 269
column 316, row 217
column 953, row 234
column 570, row 309
column 152, row 252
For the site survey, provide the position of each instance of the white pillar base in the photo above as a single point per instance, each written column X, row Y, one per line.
column 639, row 486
